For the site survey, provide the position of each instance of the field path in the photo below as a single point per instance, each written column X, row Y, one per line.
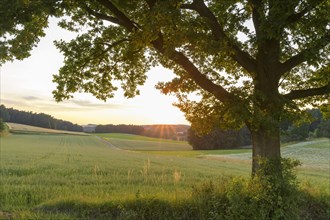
column 109, row 144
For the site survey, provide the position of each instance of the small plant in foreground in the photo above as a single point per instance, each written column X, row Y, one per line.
column 176, row 176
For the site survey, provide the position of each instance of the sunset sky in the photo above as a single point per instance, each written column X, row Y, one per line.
column 27, row 85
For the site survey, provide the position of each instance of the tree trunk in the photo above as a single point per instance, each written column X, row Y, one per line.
column 265, row 125
column 266, row 145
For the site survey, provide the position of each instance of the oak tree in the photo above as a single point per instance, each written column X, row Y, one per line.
column 252, row 62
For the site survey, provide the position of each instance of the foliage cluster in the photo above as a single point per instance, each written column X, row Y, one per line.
column 37, row 119
column 219, row 139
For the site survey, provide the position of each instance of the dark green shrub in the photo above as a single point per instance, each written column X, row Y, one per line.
column 314, row 204
column 271, row 194
column 211, row 199
column 2, row 125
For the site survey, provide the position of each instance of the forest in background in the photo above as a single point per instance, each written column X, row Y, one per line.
column 36, row 119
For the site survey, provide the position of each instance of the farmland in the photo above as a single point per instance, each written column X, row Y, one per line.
column 41, row 173
column 141, row 143
column 26, row 129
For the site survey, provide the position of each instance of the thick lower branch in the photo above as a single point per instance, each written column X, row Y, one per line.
column 299, row 94
column 257, row 14
column 126, row 22
column 302, row 56
column 102, row 16
column 218, row 91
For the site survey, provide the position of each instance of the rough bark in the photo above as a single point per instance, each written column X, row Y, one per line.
column 268, row 106
column 266, row 130
column 266, row 144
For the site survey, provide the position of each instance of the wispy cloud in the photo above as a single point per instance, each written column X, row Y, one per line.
column 30, row 98
column 48, row 104
column 89, row 104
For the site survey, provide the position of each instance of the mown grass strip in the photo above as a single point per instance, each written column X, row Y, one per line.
column 27, row 129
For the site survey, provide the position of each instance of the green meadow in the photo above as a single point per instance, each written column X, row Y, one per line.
column 66, row 176
column 141, row 143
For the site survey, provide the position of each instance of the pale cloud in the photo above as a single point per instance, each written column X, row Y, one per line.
column 89, row 104
column 30, row 98
column 10, row 102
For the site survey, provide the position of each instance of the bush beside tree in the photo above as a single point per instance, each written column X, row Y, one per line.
column 219, row 139
column 2, row 125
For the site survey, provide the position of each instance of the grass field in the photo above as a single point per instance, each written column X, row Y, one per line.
column 46, row 175
column 142, row 143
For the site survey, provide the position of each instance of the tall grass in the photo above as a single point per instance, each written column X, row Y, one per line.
column 37, row 169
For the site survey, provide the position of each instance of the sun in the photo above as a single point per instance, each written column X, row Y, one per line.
column 161, row 113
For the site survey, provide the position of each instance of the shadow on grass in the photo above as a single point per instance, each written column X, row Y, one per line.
column 206, row 205
column 133, row 209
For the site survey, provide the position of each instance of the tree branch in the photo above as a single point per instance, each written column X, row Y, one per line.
column 295, row 17
column 201, row 80
column 256, row 6
column 125, row 21
column 301, row 56
column 240, row 56
column 299, row 94
column 187, row 6
column 103, row 16
column 151, row 3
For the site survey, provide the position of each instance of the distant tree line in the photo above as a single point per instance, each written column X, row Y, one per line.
column 128, row 129
column 219, row 139
column 317, row 127
column 36, row 119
